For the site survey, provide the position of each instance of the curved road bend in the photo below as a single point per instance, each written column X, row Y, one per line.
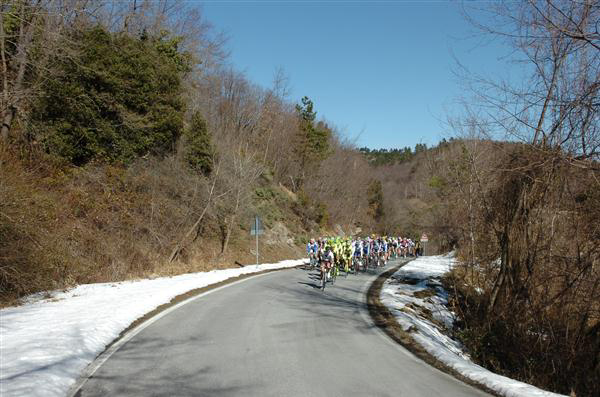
column 274, row 335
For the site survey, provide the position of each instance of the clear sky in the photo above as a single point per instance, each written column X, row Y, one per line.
column 379, row 71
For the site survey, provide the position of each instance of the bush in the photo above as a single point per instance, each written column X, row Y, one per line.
column 118, row 99
column 199, row 151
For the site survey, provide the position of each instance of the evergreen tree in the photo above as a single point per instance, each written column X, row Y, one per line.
column 420, row 147
column 199, row 150
column 118, row 99
column 312, row 143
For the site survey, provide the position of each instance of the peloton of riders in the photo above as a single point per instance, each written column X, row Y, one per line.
column 333, row 254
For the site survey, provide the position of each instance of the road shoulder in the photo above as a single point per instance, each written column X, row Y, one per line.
column 386, row 321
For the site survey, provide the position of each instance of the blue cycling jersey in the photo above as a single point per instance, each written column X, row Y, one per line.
column 357, row 250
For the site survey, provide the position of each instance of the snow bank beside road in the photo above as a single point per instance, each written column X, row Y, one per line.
column 414, row 290
column 47, row 343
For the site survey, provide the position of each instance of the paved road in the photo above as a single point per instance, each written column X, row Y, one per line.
column 273, row 335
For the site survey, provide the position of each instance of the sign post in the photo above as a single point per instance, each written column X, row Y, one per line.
column 424, row 240
column 255, row 230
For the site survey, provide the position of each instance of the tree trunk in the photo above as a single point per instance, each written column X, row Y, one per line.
column 227, row 236
column 181, row 244
column 499, row 283
column 231, row 222
column 26, row 31
column 4, row 104
column 7, row 123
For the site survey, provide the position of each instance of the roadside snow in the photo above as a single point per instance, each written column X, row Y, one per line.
column 47, row 343
column 398, row 295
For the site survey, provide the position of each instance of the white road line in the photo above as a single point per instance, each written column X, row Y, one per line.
column 101, row 359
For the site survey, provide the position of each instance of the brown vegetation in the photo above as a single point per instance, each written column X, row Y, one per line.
column 61, row 227
column 116, row 182
column 525, row 215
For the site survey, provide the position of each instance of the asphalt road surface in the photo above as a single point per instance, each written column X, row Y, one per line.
column 272, row 335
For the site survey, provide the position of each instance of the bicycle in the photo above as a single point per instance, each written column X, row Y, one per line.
column 313, row 260
column 347, row 262
column 372, row 260
column 381, row 259
column 334, row 273
column 325, row 269
column 356, row 264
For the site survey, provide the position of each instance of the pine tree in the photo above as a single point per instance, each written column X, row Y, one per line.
column 312, row 143
column 199, row 150
column 121, row 98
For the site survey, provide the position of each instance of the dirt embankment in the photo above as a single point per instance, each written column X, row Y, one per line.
column 63, row 226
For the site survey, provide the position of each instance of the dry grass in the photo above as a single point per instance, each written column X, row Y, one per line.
column 65, row 226
column 425, row 293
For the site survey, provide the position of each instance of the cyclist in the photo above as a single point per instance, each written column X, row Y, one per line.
column 358, row 251
column 411, row 247
column 326, row 265
column 347, row 254
column 376, row 250
column 385, row 251
column 311, row 250
column 366, row 252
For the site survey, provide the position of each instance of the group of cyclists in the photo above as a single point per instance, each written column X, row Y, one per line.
column 332, row 254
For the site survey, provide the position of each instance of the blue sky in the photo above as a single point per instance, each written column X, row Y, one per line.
column 378, row 71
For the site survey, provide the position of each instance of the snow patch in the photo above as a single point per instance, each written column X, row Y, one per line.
column 401, row 295
column 46, row 343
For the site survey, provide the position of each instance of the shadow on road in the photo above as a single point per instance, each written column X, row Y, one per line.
column 340, row 304
column 285, row 314
column 131, row 375
column 316, row 286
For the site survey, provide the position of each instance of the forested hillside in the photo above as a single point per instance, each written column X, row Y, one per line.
column 131, row 148
column 392, row 156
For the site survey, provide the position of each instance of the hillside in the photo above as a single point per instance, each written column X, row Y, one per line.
column 137, row 151
column 524, row 222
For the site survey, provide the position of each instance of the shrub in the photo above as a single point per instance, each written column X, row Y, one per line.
column 119, row 98
column 199, row 151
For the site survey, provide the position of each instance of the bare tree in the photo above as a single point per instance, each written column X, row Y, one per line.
column 538, row 262
column 243, row 171
column 193, row 232
column 31, row 36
